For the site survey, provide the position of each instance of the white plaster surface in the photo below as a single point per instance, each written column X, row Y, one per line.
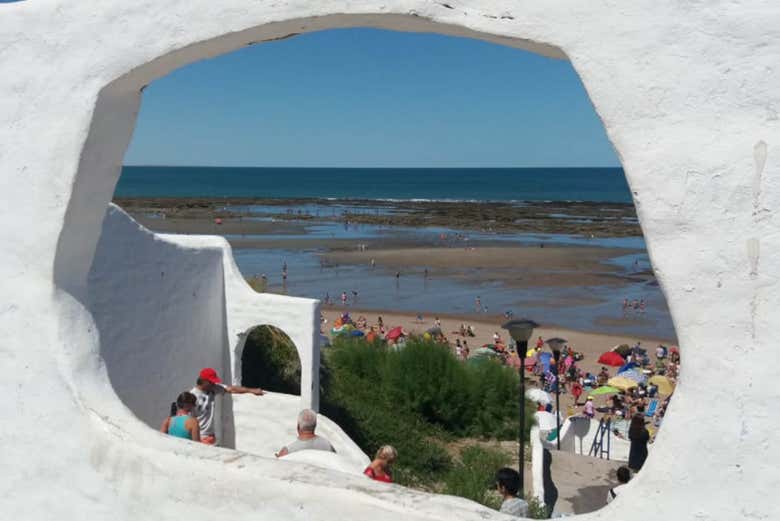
column 688, row 93
column 577, row 434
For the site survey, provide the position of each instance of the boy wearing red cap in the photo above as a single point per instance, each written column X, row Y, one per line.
column 207, row 387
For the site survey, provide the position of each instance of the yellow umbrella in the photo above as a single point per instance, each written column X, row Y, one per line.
column 665, row 386
column 622, row 383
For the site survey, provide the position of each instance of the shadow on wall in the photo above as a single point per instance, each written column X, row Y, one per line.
column 160, row 311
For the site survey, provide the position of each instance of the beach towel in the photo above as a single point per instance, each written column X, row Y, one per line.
column 651, row 409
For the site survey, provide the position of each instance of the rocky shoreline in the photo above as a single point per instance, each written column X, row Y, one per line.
column 559, row 217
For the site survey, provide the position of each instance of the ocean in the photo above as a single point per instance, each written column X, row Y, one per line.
column 588, row 308
column 440, row 184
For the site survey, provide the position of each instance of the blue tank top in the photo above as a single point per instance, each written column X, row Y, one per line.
column 177, row 428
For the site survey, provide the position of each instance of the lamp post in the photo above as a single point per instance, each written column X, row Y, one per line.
column 521, row 330
column 555, row 345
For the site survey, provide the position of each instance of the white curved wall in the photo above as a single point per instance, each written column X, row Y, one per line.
column 688, row 95
column 160, row 310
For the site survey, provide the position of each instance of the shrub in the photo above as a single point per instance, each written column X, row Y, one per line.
column 415, row 399
column 474, row 477
column 270, row 360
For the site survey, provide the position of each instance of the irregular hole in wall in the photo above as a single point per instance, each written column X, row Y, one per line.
column 576, row 226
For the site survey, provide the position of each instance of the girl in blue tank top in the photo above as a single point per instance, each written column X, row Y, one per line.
column 183, row 424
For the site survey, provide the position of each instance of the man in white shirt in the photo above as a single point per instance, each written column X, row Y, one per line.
column 307, row 440
column 207, row 387
column 623, row 475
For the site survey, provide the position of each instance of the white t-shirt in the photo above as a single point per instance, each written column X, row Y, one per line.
column 204, row 407
column 515, row 507
column 617, row 490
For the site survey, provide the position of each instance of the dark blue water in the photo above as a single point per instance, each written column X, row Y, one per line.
column 458, row 184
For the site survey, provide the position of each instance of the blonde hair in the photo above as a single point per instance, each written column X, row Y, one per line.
column 387, row 453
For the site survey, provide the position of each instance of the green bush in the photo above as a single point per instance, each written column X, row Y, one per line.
column 270, row 360
column 474, row 477
column 416, row 399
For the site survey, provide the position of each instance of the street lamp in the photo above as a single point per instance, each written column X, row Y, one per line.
column 521, row 330
column 555, row 345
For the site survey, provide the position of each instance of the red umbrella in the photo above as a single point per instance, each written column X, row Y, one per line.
column 611, row 358
column 394, row 333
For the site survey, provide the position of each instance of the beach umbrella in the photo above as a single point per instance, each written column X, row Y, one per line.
column 611, row 358
column 621, row 383
column 538, row 396
column 604, row 389
column 484, row 352
column 626, row 367
column 665, row 386
column 394, row 333
column 633, row 374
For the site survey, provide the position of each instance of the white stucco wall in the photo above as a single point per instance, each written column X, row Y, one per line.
column 160, row 312
column 578, row 432
column 168, row 305
column 688, row 94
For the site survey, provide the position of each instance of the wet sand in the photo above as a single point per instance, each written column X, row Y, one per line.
column 514, row 266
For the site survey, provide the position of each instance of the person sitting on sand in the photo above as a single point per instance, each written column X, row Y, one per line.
column 508, row 486
column 307, row 440
column 183, row 424
column 380, row 468
column 623, row 476
column 603, row 377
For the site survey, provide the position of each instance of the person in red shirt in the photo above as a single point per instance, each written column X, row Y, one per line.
column 379, row 469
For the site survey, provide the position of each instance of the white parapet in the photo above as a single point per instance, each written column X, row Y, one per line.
column 688, row 93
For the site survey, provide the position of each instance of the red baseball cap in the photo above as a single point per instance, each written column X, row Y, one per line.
column 210, row 374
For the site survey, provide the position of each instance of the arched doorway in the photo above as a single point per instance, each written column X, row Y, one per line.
column 269, row 360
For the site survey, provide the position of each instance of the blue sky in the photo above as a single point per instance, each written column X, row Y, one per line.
column 364, row 97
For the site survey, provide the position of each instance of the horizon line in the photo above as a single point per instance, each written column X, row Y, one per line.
column 373, row 167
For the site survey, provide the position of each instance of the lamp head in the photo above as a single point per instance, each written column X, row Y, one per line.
column 520, row 329
column 556, row 343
